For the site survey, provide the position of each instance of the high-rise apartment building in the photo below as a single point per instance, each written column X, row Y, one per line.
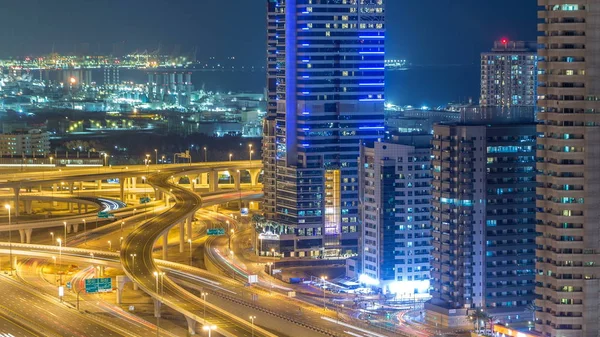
column 483, row 221
column 568, row 247
column 509, row 75
column 395, row 193
column 325, row 96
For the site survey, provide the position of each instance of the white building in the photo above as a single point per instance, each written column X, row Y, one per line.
column 29, row 143
column 395, row 193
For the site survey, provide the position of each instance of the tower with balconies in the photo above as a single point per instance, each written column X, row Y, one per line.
column 568, row 151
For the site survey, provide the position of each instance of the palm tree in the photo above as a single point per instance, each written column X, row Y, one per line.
column 476, row 317
column 531, row 308
column 491, row 321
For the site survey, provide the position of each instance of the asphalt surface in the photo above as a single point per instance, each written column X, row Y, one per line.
column 141, row 242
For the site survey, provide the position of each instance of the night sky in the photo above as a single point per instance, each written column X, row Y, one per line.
column 423, row 31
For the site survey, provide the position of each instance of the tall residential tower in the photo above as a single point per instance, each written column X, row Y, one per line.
column 509, row 75
column 326, row 95
column 568, row 219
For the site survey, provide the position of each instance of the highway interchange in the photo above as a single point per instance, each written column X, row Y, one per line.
column 228, row 304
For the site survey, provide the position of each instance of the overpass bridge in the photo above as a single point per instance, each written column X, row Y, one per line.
column 128, row 176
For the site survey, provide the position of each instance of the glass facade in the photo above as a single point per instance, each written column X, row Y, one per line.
column 326, row 94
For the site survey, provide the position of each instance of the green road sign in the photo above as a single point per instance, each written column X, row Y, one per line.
column 215, row 231
column 98, row 285
column 105, row 215
column 145, row 200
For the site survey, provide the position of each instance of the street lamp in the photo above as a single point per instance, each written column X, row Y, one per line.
column 209, row 328
column 52, row 236
column 156, row 156
column 10, row 262
column 250, row 152
column 323, row 278
column 109, row 246
column 122, row 223
column 203, row 295
column 230, row 155
column 205, row 154
column 252, row 318
column 133, row 261
column 231, row 231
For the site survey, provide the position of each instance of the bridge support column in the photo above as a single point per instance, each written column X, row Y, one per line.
column 22, row 235
column 16, row 191
column 70, row 206
column 101, row 271
column 121, row 280
column 181, row 236
column 133, row 182
column 54, row 190
column 238, row 180
column 28, row 233
column 157, row 305
column 75, row 228
column 99, row 184
column 79, row 208
column 28, row 206
column 254, row 174
column 213, row 181
column 80, row 186
column 72, row 188
column 85, row 208
column 122, row 190
column 158, row 194
column 165, row 245
column 190, row 234
column 203, row 179
column 192, row 323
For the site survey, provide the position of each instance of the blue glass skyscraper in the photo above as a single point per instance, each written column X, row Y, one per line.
column 326, row 97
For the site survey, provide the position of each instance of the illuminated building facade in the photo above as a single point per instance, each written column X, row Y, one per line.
column 568, row 250
column 483, row 222
column 326, row 96
column 395, row 192
column 25, row 143
column 509, row 75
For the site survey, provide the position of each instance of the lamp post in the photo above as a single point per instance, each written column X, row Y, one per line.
column 52, row 237
column 323, row 278
column 250, row 152
column 205, row 154
column 10, row 262
column 209, row 328
column 252, row 318
column 122, row 223
column 156, row 156
column 203, row 295
column 132, row 261
column 109, row 246
column 230, row 155
column 231, row 232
